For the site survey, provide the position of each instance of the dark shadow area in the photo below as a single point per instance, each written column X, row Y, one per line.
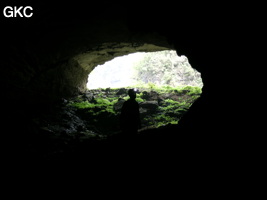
column 130, row 120
column 203, row 141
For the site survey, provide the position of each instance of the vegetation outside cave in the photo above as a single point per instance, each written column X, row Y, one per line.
column 94, row 114
column 166, row 86
column 162, row 68
column 159, row 106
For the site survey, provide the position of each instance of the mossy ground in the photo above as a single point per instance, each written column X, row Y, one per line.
column 100, row 109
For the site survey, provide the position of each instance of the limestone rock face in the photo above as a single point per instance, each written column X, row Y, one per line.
column 56, row 67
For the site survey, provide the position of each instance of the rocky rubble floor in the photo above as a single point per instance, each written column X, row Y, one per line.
column 88, row 120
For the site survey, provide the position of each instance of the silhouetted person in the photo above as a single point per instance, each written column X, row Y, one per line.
column 130, row 116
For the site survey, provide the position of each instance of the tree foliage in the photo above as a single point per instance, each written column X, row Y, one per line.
column 166, row 68
column 162, row 68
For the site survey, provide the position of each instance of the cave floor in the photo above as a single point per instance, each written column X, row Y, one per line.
column 66, row 132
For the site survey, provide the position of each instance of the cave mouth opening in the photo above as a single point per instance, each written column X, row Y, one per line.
column 166, row 86
column 143, row 69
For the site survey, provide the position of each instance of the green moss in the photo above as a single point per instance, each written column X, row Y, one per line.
column 159, row 88
column 171, row 106
column 110, row 110
column 162, row 120
column 171, row 101
column 102, row 101
column 82, row 105
column 192, row 90
column 126, row 98
column 112, row 99
column 101, row 112
column 101, row 105
column 151, row 85
column 139, row 100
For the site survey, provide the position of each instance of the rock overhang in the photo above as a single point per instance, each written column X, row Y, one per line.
column 60, row 59
column 107, row 51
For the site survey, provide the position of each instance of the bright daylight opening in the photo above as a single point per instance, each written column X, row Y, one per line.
column 162, row 68
column 166, row 86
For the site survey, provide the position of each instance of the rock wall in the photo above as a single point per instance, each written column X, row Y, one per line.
column 46, row 57
column 57, row 64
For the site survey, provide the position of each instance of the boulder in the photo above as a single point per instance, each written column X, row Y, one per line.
column 122, row 91
column 142, row 110
column 117, row 106
column 172, row 96
column 150, row 96
column 88, row 96
column 150, row 105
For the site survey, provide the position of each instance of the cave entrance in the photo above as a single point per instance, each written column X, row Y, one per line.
column 161, row 68
column 166, row 86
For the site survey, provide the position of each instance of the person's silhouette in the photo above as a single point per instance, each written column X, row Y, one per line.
column 130, row 116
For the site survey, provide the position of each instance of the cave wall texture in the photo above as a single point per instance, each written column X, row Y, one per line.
column 49, row 56
column 53, row 59
column 43, row 59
